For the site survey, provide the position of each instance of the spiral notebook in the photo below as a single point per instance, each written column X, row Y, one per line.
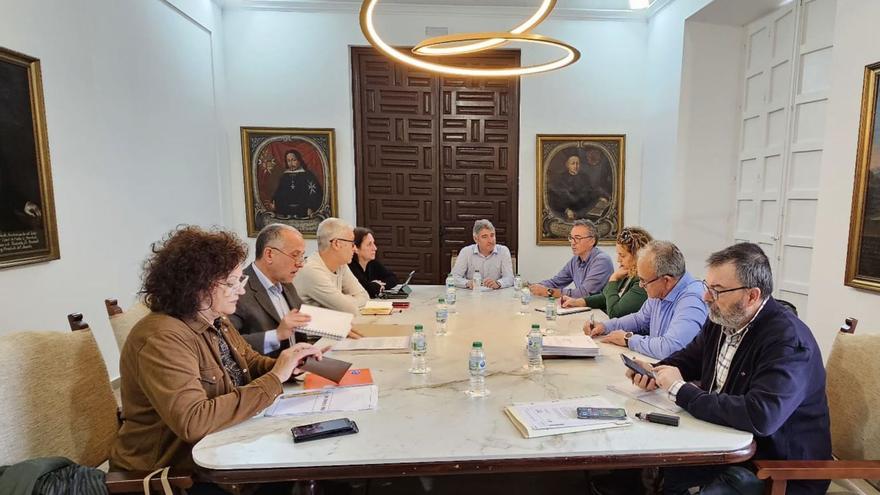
column 326, row 322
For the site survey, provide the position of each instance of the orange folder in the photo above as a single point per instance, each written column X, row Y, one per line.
column 352, row 378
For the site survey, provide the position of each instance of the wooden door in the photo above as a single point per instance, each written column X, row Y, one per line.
column 432, row 155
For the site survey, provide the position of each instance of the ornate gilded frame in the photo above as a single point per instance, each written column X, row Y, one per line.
column 864, row 232
column 46, row 234
column 253, row 141
column 552, row 228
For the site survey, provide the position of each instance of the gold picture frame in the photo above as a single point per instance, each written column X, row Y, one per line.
column 28, row 232
column 579, row 177
column 289, row 177
column 863, row 254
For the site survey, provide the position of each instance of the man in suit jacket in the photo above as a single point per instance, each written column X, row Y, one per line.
column 268, row 312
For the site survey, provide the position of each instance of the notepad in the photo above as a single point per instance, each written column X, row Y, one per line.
column 560, row 311
column 377, row 308
column 326, row 322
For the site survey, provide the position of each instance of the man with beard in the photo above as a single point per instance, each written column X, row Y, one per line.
column 755, row 367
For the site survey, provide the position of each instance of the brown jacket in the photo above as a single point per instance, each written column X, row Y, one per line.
column 175, row 390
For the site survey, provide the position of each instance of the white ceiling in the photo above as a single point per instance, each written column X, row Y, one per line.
column 585, row 6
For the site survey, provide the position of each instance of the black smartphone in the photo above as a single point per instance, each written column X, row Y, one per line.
column 633, row 365
column 324, row 429
column 601, row 413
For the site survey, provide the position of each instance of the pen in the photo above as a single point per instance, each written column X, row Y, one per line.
column 592, row 321
column 663, row 419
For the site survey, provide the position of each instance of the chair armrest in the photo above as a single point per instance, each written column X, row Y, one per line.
column 133, row 481
column 817, row 470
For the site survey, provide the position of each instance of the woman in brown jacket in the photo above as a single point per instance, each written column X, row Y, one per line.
column 185, row 370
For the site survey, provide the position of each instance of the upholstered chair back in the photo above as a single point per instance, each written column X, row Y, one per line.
column 123, row 321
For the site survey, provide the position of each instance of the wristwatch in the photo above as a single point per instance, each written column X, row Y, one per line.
column 626, row 337
column 549, row 292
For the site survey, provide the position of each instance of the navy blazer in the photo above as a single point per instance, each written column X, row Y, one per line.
column 775, row 388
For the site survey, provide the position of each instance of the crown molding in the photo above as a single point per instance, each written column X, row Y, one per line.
column 429, row 9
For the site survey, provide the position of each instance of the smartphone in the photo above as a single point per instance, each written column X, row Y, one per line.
column 323, row 429
column 633, row 365
column 601, row 413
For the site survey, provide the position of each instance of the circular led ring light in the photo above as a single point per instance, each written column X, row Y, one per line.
column 489, row 38
column 537, row 18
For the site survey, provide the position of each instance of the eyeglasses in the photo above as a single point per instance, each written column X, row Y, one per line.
column 233, row 287
column 714, row 293
column 344, row 240
column 644, row 284
column 298, row 259
column 578, row 238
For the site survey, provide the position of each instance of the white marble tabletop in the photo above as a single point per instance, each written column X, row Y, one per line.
column 429, row 419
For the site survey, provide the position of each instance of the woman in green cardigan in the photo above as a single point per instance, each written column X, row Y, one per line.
column 622, row 294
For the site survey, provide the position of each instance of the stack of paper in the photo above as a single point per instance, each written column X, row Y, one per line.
column 560, row 311
column 343, row 399
column 374, row 344
column 541, row 419
column 377, row 308
column 569, row 346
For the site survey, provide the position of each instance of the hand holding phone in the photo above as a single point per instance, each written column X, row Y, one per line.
column 323, row 429
column 635, row 366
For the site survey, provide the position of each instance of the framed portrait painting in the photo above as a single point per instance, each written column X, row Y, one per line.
column 28, row 233
column 289, row 177
column 863, row 256
column 579, row 177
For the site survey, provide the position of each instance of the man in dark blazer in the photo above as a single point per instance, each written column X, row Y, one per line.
column 268, row 312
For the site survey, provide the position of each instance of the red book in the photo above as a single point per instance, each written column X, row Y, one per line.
column 353, row 378
column 400, row 304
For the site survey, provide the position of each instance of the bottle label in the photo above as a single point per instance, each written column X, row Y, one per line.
column 550, row 312
column 476, row 364
column 535, row 344
column 442, row 315
column 450, row 295
column 525, row 296
column 419, row 344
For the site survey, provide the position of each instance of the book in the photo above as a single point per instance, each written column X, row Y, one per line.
column 353, row 378
column 326, row 322
column 377, row 308
column 569, row 346
column 556, row 417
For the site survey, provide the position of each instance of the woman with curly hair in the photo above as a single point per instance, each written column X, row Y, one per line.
column 185, row 370
column 622, row 294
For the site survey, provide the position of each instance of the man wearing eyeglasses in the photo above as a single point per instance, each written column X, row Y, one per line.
column 588, row 270
column 267, row 314
column 325, row 280
column 755, row 367
column 673, row 314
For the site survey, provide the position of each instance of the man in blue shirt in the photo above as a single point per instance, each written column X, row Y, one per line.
column 673, row 314
column 589, row 268
column 490, row 259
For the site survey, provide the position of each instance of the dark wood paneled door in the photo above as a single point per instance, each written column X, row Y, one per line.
column 432, row 155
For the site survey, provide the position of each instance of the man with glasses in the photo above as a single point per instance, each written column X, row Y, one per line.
column 673, row 314
column 325, row 280
column 755, row 367
column 267, row 314
column 589, row 268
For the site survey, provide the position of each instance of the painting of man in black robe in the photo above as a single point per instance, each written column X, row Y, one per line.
column 26, row 226
column 290, row 177
column 580, row 178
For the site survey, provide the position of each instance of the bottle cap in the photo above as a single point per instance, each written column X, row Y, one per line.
column 419, row 328
column 535, row 325
column 478, row 344
column 441, row 300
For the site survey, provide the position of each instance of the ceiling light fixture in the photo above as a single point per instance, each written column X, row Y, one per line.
column 472, row 43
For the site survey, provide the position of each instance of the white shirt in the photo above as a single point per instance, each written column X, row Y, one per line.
column 276, row 295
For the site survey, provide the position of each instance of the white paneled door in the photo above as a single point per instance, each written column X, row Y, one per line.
column 788, row 62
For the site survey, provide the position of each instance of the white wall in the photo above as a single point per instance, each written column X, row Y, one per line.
column 856, row 44
column 293, row 69
column 132, row 132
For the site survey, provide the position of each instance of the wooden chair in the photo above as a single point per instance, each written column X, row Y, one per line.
column 854, row 401
column 57, row 401
column 123, row 321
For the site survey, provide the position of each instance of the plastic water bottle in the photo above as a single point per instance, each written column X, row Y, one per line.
column 534, row 347
column 477, row 370
column 419, row 347
column 550, row 315
column 517, row 285
column 450, row 294
column 441, row 315
column 478, row 281
column 525, row 298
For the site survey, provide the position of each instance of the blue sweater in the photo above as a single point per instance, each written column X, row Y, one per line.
column 775, row 389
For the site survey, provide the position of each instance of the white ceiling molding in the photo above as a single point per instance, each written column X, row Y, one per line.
column 434, row 9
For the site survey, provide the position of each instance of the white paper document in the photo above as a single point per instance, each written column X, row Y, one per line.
column 560, row 311
column 656, row 398
column 325, row 400
column 538, row 419
column 373, row 344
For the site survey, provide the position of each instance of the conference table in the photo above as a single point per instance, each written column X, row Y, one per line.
column 427, row 425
